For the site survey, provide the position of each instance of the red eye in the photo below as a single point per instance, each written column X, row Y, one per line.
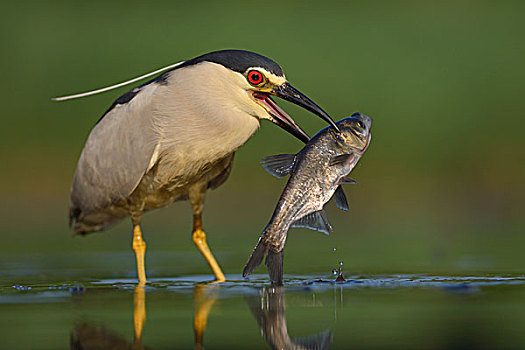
column 255, row 77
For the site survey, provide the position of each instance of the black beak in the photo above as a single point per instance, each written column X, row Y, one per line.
column 289, row 93
column 280, row 117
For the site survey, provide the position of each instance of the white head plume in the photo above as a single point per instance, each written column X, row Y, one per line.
column 107, row 88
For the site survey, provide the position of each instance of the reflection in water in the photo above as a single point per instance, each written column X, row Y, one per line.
column 90, row 336
column 204, row 296
column 268, row 309
column 139, row 311
column 451, row 311
column 86, row 336
column 269, row 313
column 94, row 337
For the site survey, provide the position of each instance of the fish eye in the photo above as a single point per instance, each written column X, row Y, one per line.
column 360, row 124
column 255, row 77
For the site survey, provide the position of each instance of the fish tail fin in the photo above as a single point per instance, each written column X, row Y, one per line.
column 274, row 263
column 258, row 254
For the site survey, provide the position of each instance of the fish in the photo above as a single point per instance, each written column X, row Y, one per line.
column 268, row 308
column 316, row 174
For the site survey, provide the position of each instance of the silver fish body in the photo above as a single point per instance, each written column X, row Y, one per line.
column 317, row 172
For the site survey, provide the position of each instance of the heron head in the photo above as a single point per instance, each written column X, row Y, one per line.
column 264, row 84
column 261, row 78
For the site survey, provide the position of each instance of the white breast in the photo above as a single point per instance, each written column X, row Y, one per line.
column 200, row 118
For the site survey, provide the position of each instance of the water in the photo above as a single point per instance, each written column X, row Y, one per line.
column 378, row 311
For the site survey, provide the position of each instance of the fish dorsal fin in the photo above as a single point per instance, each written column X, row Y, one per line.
column 340, row 199
column 346, row 158
column 316, row 221
column 347, row 180
column 278, row 165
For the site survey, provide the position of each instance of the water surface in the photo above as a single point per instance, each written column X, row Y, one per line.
column 365, row 311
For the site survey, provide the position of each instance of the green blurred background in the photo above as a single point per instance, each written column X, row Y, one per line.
column 442, row 184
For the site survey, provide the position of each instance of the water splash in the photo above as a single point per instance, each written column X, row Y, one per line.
column 339, row 273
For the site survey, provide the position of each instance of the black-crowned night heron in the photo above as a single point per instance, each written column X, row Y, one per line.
column 174, row 137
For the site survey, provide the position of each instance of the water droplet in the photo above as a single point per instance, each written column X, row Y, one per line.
column 339, row 273
column 335, row 249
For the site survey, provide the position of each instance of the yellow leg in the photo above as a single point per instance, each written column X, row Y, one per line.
column 203, row 306
column 196, row 194
column 139, row 311
column 199, row 238
column 139, row 247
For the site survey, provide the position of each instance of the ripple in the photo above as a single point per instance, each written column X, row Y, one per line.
column 237, row 285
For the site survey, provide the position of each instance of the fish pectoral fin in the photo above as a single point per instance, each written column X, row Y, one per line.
column 347, row 180
column 316, row 221
column 340, row 199
column 346, row 158
column 278, row 165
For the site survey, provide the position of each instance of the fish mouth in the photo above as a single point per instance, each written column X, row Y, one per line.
column 280, row 117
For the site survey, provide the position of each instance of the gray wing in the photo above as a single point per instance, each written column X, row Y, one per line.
column 120, row 149
column 223, row 176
